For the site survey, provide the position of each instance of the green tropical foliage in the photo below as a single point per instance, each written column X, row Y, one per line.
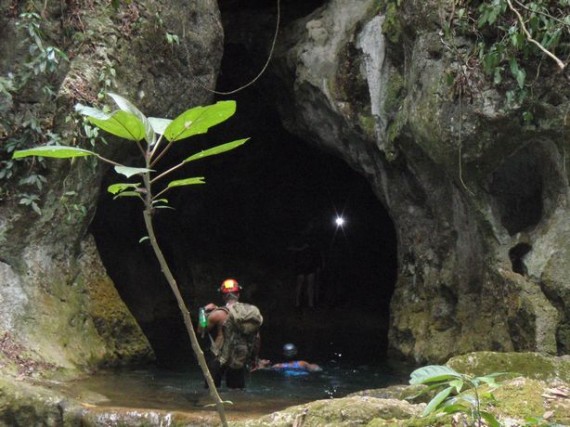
column 129, row 123
column 21, row 121
column 513, row 38
column 154, row 136
column 457, row 393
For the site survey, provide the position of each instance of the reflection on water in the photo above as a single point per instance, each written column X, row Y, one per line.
column 266, row 392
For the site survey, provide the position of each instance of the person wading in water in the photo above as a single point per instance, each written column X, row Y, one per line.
column 234, row 333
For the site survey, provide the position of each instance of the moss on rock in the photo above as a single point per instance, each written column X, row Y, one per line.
column 23, row 403
column 348, row 411
column 392, row 26
column 530, row 365
column 124, row 340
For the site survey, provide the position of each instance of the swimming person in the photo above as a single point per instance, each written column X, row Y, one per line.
column 293, row 368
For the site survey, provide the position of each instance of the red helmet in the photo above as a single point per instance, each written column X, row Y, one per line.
column 230, row 286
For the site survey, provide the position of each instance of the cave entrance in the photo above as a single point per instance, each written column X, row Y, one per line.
column 257, row 201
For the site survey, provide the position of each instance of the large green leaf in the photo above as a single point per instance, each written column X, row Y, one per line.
column 119, row 123
column 216, row 150
column 198, row 120
column 129, row 194
column 91, row 112
column 130, row 171
column 126, row 106
column 454, row 407
column 425, row 390
column 436, row 401
column 433, row 373
column 469, row 398
column 57, row 151
column 159, row 125
column 122, row 186
column 457, row 384
column 186, row 181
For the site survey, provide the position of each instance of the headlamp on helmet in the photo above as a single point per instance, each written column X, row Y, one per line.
column 289, row 350
column 230, row 286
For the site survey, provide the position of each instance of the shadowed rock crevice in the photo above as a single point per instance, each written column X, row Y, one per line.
column 516, row 255
column 517, row 186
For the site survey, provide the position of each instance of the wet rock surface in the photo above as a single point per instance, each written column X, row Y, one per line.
column 477, row 196
column 534, row 386
column 467, row 183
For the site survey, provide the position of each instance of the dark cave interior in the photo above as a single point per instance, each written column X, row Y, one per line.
column 257, row 201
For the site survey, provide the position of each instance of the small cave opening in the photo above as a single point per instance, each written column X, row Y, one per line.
column 516, row 256
column 517, row 187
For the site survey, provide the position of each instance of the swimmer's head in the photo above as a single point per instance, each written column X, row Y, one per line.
column 289, row 350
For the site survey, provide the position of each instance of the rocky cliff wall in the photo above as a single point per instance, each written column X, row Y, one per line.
column 478, row 196
column 56, row 298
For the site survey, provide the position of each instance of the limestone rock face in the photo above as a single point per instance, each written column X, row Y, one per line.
column 478, row 196
column 56, row 298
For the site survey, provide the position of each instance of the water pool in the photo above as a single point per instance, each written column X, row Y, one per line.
column 266, row 392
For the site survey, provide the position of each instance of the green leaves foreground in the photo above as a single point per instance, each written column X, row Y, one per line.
column 456, row 392
column 150, row 135
column 129, row 123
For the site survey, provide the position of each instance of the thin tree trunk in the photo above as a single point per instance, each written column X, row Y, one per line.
column 181, row 304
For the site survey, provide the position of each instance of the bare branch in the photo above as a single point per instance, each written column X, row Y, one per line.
column 560, row 64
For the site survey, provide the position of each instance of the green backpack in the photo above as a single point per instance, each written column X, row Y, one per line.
column 240, row 335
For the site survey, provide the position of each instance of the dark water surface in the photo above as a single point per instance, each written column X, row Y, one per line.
column 267, row 391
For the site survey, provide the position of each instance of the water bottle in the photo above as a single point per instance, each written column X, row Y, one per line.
column 202, row 319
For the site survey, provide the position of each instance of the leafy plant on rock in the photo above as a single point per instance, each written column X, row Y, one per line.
column 154, row 137
column 457, row 393
column 526, row 32
column 511, row 44
column 22, row 117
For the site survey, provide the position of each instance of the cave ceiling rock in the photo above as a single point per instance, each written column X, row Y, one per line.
column 337, row 58
column 57, row 299
column 387, row 110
